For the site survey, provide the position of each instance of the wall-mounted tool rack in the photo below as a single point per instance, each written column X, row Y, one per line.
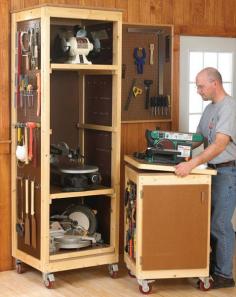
column 146, row 73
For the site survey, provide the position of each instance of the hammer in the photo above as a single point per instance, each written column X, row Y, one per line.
column 147, row 84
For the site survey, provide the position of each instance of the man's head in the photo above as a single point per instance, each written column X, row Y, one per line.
column 209, row 84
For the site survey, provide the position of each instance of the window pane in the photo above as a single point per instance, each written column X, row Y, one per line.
column 225, row 66
column 210, row 60
column 193, row 122
column 195, row 100
column 195, row 64
column 228, row 88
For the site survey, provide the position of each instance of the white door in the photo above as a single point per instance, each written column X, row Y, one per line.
column 197, row 53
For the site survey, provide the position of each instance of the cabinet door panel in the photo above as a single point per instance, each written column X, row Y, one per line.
column 175, row 227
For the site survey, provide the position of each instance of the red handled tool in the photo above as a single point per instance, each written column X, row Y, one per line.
column 31, row 126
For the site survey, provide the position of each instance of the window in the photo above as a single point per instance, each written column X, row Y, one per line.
column 197, row 53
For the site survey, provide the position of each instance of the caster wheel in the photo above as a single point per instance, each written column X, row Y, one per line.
column 19, row 268
column 49, row 284
column 205, row 286
column 145, row 289
column 113, row 274
column 113, row 270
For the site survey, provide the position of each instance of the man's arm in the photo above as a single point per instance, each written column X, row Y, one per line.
column 213, row 150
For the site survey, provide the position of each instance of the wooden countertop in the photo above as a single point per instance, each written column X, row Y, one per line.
column 139, row 164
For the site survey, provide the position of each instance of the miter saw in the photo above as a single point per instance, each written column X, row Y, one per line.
column 68, row 170
column 169, row 147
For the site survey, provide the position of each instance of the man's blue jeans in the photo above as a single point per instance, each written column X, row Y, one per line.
column 222, row 233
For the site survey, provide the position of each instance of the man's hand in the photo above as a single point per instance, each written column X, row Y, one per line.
column 183, row 169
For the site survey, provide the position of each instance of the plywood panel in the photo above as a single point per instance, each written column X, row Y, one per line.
column 175, row 227
column 5, row 213
column 5, row 205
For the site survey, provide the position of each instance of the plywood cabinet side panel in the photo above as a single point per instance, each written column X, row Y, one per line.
column 5, row 163
column 5, row 214
column 4, row 66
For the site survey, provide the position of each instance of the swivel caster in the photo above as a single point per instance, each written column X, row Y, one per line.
column 205, row 284
column 19, row 267
column 113, row 270
column 49, row 280
column 145, row 286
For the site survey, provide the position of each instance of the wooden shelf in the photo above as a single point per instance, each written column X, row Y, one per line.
column 85, row 67
column 96, row 127
column 70, row 253
column 56, row 193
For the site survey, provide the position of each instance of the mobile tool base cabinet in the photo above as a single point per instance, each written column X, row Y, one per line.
column 167, row 223
column 59, row 99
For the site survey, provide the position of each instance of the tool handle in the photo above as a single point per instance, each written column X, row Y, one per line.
column 32, row 197
column 151, row 53
column 38, row 93
column 147, row 98
column 26, row 145
column 30, row 143
column 127, row 103
column 26, row 196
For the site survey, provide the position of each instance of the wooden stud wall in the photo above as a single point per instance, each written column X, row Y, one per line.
column 195, row 17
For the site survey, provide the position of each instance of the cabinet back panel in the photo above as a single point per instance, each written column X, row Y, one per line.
column 97, row 148
column 98, row 99
column 64, row 107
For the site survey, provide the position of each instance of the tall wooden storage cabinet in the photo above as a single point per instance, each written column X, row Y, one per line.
column 55, row 100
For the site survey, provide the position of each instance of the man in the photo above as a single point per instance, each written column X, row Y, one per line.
column 218, row 126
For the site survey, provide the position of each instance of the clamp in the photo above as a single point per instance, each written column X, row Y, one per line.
column 139, row 60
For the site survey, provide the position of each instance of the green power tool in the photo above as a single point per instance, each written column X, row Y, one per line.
column 170, row 147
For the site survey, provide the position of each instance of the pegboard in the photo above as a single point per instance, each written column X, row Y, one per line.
column 142, row 39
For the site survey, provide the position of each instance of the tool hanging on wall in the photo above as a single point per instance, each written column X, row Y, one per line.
column 127, row 103
column 137, row 91
column 151, row 47
column 19, row 58
column 31, row 126
column 130, row 207
column 140, row 58
column 32, row 212
column 27, row 221
column 20, row 207
column 26, row 149
column 38, row 93
column 147, row 85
